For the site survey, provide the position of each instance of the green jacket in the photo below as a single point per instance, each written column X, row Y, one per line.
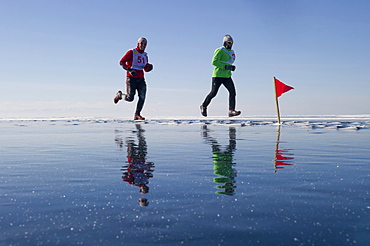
column 221, row 58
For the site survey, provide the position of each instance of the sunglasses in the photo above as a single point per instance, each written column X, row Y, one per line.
column 229, row 42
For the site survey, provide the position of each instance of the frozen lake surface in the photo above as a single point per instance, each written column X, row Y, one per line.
column 185, row 181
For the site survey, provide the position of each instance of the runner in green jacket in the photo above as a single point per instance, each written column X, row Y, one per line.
column 223, row 59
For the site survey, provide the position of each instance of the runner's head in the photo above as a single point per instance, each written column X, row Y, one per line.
column 141, row 43
column 143, row 202
column 228, row 41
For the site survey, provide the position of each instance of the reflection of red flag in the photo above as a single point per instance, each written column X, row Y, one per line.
column 281, row 87
column 281, row 160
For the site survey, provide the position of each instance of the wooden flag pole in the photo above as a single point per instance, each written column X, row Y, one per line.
column 277, row 101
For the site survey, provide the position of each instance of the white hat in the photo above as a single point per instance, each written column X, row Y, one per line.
column 227, row 38
column 142, row 40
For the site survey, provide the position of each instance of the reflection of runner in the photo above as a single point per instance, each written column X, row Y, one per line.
column 223, row 163
column 138, row 171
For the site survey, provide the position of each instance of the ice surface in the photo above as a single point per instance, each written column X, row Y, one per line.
column 341, row 122
column 212, row 181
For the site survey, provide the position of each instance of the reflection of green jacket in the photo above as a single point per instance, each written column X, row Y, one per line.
column 223, row 167
column 222, row 57
column 223, row 164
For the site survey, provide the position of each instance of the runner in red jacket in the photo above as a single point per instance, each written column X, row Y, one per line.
column 135, row 62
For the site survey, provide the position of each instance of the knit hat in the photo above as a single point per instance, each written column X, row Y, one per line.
column 142, row 40
column 227, row 38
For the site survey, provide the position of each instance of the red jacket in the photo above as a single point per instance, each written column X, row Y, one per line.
column 126, row 63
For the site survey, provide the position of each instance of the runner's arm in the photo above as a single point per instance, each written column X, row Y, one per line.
column 216, row 60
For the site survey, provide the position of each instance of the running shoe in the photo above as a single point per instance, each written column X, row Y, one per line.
column 233, row 113
column 203, row 110
column 139, row 117
column 118, row 97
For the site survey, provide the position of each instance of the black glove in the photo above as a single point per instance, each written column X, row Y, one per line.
column 230, row 67
column 132, row 72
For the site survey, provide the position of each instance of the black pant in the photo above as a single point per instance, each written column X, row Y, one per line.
column 216, row 83
column 133, row 85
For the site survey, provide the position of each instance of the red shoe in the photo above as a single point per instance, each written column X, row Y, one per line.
column 233, row 113
column 118, row 97
column 139, row 117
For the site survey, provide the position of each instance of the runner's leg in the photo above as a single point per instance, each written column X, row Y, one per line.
column 141, row 90
column 131, row 85
column 229, row 84
column 216, row 83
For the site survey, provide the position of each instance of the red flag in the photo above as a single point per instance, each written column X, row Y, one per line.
column 281, row 88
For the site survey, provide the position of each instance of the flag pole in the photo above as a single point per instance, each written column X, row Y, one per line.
column 277, row 101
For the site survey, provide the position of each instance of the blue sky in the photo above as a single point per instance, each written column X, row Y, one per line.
column 60, row 58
